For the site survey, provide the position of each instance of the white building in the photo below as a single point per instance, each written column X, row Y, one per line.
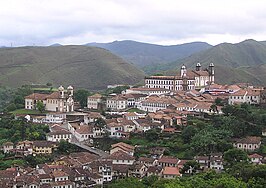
column 55, row 118
column 116, row 103
column 255, row 158
column 122, row 158
column 249, row 143
column 58, row 133
column 187, row 80
column 147, row 91
column 245, row 96
column 94, row 101
column 59, row 101
column 155, row 103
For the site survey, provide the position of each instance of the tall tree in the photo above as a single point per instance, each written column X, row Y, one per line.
column 81, row 96
column 40, row 106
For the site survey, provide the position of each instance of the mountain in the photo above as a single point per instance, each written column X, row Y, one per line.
column 241, row 62
column 145, row 54
column 56, row 44
column 81, row 66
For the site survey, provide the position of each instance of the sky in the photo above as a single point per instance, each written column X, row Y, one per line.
column 165, row 22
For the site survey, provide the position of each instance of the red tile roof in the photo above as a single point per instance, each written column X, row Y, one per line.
column 171, row 171
column 168, row 159
column 120, row 155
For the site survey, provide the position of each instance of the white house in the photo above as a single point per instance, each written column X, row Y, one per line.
column 58, row 133
column 116, row 103
column 249, row 143
column 94, row 101
column 122, row 158
column 245, row 96
column 155, row 103
column 255, row 158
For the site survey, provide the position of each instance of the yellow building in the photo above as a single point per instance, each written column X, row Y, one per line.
column 43, row 147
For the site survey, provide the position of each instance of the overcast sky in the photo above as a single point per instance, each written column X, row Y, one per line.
column 44, row 22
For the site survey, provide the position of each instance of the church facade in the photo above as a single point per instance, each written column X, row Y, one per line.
column 59, row 101
column 187, row 80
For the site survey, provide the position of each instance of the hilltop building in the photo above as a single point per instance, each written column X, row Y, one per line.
column 59, row 101
column 187, row 80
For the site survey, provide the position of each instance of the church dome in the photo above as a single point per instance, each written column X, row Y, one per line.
column 198, row 65
column 211, row 65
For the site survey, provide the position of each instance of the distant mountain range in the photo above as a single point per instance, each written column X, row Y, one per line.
column 241, row 62
column 96, row 67
column 145, row 54
column 80, row 66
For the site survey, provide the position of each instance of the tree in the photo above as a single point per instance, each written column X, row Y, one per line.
column 213, row 108
column 234, row 156
column 190, row 167
column 19, row 101
column 11, row 107
column 100, row 122
column 127, row 182
column 188, row 133
column 49, row 84
column 218, row 101
column 149, row 181
column 210, row 140
column 81, row 96
column 228, row 110
column 40, row 106
column 152, row 134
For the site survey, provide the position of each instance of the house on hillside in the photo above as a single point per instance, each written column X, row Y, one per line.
column 249, row 96
column 121, row 146
column 170, row 172
column 58, row 133
column 249, row 143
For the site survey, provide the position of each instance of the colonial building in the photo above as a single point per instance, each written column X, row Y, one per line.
column 171, row 172
column 118, row 102
column 187, row 80
column 155, row 103
column 59, row 101
column 249, row 143
column 95, row 101
column 249, row 96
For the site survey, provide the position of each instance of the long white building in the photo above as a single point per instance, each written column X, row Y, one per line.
column 187, row 80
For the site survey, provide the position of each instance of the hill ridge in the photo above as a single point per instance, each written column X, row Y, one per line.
column 81, row 66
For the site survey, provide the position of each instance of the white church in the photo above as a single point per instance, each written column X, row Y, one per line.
column 59, row 101
column 187, row 80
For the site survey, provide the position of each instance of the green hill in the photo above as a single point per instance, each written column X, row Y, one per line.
column 80, row 66
column 145, row 54
column 241, row 62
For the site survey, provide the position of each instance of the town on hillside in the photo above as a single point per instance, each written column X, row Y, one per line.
column 171, row 127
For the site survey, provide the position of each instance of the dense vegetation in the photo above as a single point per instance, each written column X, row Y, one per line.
column 19, row 129
column 248, row 176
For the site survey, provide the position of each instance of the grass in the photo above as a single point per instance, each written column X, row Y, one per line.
column 44, row 89
column 26, row 111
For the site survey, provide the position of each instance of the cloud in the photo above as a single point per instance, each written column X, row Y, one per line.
column 28, row 22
